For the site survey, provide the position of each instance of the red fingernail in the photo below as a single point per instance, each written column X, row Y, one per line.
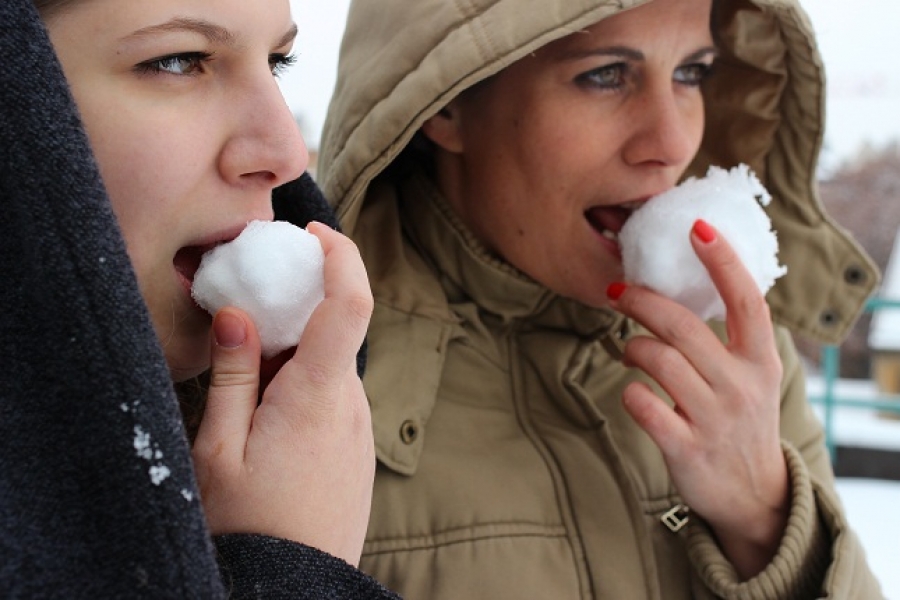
column 704, row 231
column 230, row 330
column 615, row 290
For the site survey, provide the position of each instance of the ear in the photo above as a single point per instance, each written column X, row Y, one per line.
column 445, row 128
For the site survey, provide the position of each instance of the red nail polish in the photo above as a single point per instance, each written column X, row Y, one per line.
column 615, row 290
column 704, row 231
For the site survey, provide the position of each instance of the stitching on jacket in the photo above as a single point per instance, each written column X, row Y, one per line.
column 450, row 537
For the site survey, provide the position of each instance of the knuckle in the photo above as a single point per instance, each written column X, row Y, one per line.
column 359, row 306
column 683, row 327
column 230, row 378
column 360, row 412
column 754, row 306
column 666, row 362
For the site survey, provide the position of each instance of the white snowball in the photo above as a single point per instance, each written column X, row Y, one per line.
column 655, row 241
column 274, row 271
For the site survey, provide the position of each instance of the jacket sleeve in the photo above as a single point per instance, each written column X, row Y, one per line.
column 255, row 566
column 820, row 556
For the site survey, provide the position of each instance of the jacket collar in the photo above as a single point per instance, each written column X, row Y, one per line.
column 470, row 273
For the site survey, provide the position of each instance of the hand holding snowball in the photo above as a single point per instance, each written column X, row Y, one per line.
column 722, row 443
column 299, row 465
column 656, row 252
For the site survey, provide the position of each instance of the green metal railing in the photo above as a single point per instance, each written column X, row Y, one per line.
column 830, row 399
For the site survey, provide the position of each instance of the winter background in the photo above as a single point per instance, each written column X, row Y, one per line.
column 859, row 44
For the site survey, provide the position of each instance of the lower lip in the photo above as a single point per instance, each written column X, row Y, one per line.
column 187, row 286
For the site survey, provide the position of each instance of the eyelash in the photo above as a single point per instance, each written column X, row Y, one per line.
column 701, row 70
column 278, row 63
column 619, row 71
column 163, row 64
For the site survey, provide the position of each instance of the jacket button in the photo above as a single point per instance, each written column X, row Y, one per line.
column 409, row 432
column 829, row 318
column 855, row 275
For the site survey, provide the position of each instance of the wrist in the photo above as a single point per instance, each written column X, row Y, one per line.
column 753, row 539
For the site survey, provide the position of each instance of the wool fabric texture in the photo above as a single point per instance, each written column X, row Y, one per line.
column 97, row 493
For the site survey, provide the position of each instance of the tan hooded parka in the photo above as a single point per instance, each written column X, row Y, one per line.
column 508, row 467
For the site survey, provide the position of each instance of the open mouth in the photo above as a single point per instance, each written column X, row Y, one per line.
column 608, row 222
column 187, row 261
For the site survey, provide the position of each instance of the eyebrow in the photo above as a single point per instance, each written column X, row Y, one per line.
column 635, row 55
column 215, row 34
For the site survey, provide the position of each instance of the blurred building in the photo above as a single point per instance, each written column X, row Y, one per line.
column 884, row 332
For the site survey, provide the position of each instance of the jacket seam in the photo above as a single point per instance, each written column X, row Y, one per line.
column 461, row 536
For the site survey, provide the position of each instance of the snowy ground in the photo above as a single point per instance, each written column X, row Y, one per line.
column 873, row 506
column 873, row 509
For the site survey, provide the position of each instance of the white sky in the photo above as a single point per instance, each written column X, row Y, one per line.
column 859, row 42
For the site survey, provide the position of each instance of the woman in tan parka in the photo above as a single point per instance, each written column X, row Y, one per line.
column 484, row 154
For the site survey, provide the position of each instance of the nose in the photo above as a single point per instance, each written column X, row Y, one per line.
column 265, row 148
column 667, row 129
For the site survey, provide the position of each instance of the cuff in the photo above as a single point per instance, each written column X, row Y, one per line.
column 257, row 566
column 798, row 568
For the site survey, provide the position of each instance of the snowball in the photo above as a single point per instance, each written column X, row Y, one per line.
column 655, row 241
column 274, row 271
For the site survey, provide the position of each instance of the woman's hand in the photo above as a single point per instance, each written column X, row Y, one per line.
column 299, row 465
column 721, row 443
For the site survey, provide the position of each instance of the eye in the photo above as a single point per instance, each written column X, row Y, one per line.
column 608, row 77
column 692, row 74
column 279, row 63
column 185, row 63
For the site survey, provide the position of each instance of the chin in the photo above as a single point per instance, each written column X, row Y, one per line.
column 597, row 301
column 188, row 362
column 180, row 374
column 591, row 289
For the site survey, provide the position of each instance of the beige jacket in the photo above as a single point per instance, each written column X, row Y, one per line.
column 507, row 466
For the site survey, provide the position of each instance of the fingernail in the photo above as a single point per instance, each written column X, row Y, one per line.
column 230, row 330
column 615, row 290
column 704, row 231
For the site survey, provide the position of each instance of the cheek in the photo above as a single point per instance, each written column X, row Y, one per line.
column 150, row 193
column 147, row 182
column 696, row 122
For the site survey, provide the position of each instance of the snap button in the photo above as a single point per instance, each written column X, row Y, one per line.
column 828, row 318
column 854, row 275
column 409, row 432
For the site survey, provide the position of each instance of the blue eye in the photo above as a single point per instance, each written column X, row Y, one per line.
column 608, row 77
column 186, row 63
column 279, row 63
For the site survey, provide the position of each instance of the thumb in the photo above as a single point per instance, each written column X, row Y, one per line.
column 234, row 385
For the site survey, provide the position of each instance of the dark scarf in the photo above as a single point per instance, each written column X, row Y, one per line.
column 97, row 493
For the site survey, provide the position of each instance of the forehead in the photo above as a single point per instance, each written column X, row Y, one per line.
column 235, row 15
